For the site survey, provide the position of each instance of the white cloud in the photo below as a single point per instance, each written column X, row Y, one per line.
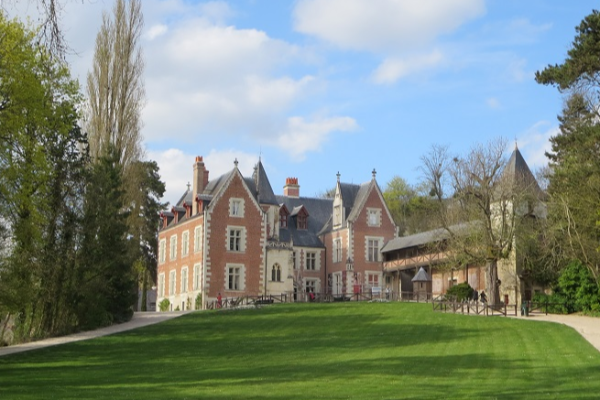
column 535, row 142
column 302, row 136
column 383, row 25
column 392, row 69
column 204, row 77
column 175, row 167
column 156, row 31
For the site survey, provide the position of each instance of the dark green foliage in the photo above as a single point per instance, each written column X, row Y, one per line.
column 574, row 180
column 108, row 289
column 579, row 288
column 461, row 292
column 554, row 303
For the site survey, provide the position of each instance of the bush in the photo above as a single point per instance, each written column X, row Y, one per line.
column 578, row 287
column 460, row 292
column 557, row 303
column 198, row 302
column 164, row 305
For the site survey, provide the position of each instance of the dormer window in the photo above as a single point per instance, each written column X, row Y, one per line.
column 283, row 217
column 301, row 215
column 302, row 222
column 283, row 221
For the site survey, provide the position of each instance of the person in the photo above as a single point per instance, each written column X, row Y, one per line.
column 475, row 296
column 219, row 300
column 387, row 292
column 483, row 297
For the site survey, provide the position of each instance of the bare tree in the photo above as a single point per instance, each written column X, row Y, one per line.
column 115, row 86
column 479, row 199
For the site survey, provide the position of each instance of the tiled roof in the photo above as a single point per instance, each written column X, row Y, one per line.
column 319, row 211
column 421, row 276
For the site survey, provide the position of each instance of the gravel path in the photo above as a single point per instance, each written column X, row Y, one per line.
column 588, row 327
column 139, row 319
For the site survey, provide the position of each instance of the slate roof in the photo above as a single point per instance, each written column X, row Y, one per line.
column 263, row 191
column 423, row 238
column 418, row 239
column 519, row 173
column 319, row 211
column 359, row 200
column 421, row 276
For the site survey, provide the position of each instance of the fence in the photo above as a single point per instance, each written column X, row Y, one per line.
column 443, row 304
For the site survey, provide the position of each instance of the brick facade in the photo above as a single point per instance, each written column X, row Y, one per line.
column 242, row 240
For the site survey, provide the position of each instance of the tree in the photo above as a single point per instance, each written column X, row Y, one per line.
column 115, row 86
column 145, row 205
column 410, row 206
column 574, row 181
column 39, row 159
column 107, row 292
column 479, row 201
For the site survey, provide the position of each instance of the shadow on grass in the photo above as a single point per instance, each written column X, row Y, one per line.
column 316, row 351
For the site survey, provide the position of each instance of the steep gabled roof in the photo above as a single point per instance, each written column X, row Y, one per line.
column 263, row 192
column 348, row 192
column 518, row 173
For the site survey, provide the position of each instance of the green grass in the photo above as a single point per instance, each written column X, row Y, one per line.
column 315, row 351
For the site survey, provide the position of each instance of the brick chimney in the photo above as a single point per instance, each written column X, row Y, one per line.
column 291, row 188
column 200, row 182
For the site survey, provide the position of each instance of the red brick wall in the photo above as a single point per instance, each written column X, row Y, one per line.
column 218, row 254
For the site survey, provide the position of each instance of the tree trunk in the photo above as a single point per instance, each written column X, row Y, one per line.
column 492, row 282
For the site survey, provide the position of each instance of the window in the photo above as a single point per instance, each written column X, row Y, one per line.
column 184, row 280
column 373, row 217
column 173, row 252
column 302, row 222
column 311, row 260
column 197, row 239
column 161, row 285
column 283, row 220
column 234, row 277
column 197, row 283
column 373, row 280
column 162, row 251
column 311, row 286
column 185, row 243
column 373, row 249
column 337, row 250
column 276, row 273
column 294, row 259
column 172, row 281
column 235, row 239
column 236, row 207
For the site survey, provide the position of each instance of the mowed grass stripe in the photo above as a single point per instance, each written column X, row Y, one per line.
column 315, row 351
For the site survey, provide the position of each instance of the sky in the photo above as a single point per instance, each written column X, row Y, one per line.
column 317, row 87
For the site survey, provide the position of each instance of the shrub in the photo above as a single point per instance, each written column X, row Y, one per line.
column 460, row 292
column 198, row 302
column 577, row 285
column 164, row 305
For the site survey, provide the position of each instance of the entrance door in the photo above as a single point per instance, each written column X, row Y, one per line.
column 337, row 284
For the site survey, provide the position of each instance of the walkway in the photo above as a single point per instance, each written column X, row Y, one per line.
column 139, row 319
column 588, row 327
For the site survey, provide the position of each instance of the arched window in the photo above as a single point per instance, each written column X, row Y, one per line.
column 276, row 273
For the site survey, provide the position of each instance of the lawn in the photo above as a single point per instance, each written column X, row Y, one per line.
column 315, row 351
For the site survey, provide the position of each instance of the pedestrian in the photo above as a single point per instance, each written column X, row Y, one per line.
column 219, row 301
column 387, row 292
column 475, row 296
column 483, row 297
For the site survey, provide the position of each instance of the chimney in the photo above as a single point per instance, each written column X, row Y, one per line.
column 291, row 188
column 200, row 182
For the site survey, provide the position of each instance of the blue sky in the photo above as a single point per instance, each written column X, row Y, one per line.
column 314, row 87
